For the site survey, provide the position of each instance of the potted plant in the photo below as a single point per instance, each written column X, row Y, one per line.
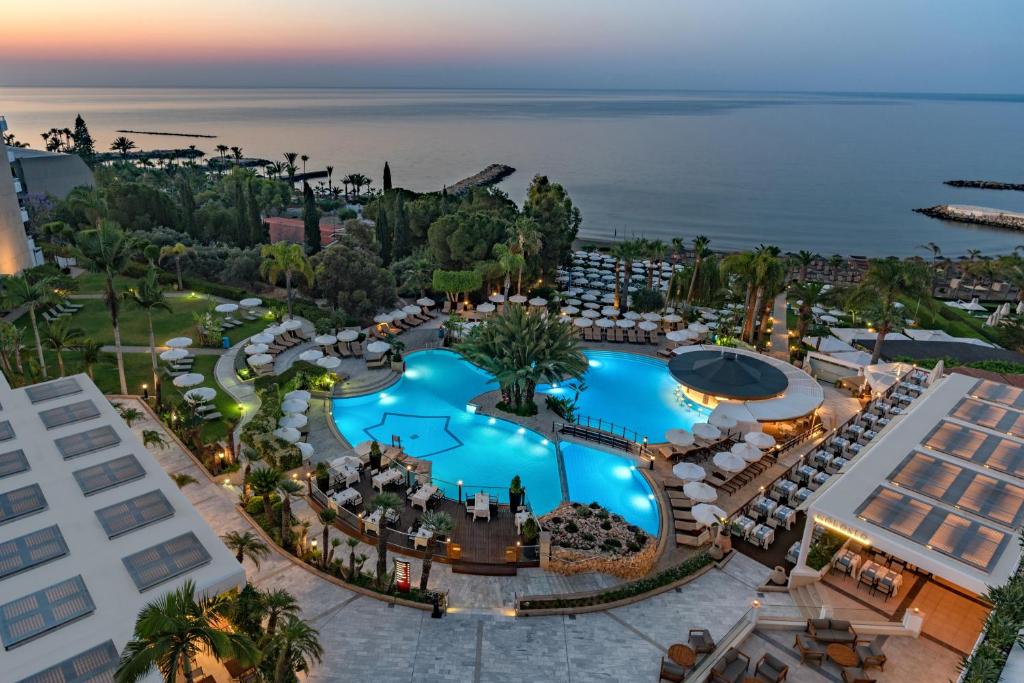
column 530, row 531
column 397, row 363
column 323, row 479
column 723, row 536
column 515, row 494
column 375, row 456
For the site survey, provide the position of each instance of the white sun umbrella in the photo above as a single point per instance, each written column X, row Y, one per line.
column 251, row 302
column 171, row 355
column 178, row 342
column 582, row 322
column 412, row 310
column 730, row 462
column 294, row 405
column 831, row 319
column 306, row 449
column 299, row 394
column 608, row 299
column 679, row 437
column 723, row 421
column 289, row 325
column 226, row 308
column 592, row 305
column 703, row 430
column 712, row 326
column 588, row 297
column 328, row 362
column 260, row 359
column 631, row 315
column 677, row 336
column 647, row 326
column 262, row 338
column 348, row 335
column 570, row 310
column 378, row 347
column 653, row 317
column 325, row 339
column 538, row 301
column 700, row 492
column 311, row 355
column 289, row 434
column 610, row 312
column 625, row 324
column 274, row 330
column 689, row 471
column 200, row 394
column 485, row 307
column 564, row 319
column 517, row 299
column 189, row 379
column 295, row 421
column 759, row 440
column 835, row 312
column 1020, row 308
column 425, row 301
column 254, row 349
column 707, row 514
column 817, row 310
column 382, row 318
column 577, row 302
column 746, row 451
column 672, row 318
column 590, row 313
column 1004, row 309
column 398, row 314
column 698, row 328
column 604, row 322
column 496, row 298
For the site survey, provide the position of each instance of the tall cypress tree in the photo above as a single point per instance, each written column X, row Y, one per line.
column 310, row 220
column 257, row 228
column 241, row 212
column 187, row 200
column 387, row 177
column 402, row 245
column 84, row 145
column 383, row 234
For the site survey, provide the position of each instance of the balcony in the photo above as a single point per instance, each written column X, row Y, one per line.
column 3, row 124
column 17, row 186
column 24, row 216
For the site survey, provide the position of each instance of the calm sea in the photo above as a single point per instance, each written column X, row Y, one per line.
column 826, row 172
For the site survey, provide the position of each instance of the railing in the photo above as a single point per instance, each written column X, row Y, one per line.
column 603, row 432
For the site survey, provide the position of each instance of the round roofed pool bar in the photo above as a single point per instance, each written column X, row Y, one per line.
column 724, row 374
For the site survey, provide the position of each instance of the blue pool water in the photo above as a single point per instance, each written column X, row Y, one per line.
column 612, row 481
column 427, row 410
column 635, row 392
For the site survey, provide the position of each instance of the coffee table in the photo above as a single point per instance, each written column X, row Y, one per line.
column 842, row 655
column 682, row 655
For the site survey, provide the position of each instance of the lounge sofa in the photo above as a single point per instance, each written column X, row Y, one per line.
column 832, row 631
column 771, row 669
column 731, row 668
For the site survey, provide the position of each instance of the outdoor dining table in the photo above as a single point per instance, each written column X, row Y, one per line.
column 891, row 577
column 822, row 458
column 854, row 448
column 805, row 472
column 820, row 478
column 763, row 506
column 785, row 515
column 910, row 386
column 373, row 520
column 785, row 488
column 746, row 525
column 847, row 561
column 423, row 495
column 423, row 534
column 871, row 570
column 882, row 421
column 763, row 535
column 793, row 554
column 802, row 494
column 869, row 417
column 836, row 465
column 382, row 479
column 347, row 497
column 841, row 442
column 482, row 506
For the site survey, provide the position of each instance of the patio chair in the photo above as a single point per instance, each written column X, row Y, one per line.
column 810, row 650
column 856, row 675
column 701, row 641
column 770, row 668
column 670, row 671
column 731, row 668
column 870, row 652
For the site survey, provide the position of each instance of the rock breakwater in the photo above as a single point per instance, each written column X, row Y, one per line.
column 976, row 215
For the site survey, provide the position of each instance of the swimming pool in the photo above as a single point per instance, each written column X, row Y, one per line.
column 427, row 409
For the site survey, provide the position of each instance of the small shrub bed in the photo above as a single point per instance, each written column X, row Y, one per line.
column 594, row 529
column 822, row 550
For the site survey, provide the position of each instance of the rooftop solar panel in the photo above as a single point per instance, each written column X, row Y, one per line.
column 988, row 450
column 95, row 665
column 12, row 462
column 68, row 414
column 21, row 502
column 134, row 513
column 38, row 613
column 6, row 431
column 31, row 550
column 989, row 416
column 997, row 392
column 38, row 393
column 89, row 441
column 164, row 561
column 108, row 474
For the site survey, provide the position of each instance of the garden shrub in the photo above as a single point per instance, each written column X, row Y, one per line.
column 571, row 527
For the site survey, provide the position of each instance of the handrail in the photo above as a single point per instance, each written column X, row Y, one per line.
column 627, row 440
column 610, row 427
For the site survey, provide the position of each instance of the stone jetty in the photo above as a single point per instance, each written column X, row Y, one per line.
column 491, row 175
column 977, row 215
column 986, row 185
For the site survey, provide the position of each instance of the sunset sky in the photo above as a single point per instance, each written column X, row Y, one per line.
column 873, row 45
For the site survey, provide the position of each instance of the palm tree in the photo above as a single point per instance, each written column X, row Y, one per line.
column 236, row 153
column 523, row 348
column 295, row 647
column 176, row 252
column 803, row 260
column 9, row 347
column 330, row 172
column 181, row 480
column 171, row 630
column 149, row 297
column 286, row 489
column 19, row 291
column 122, row 145
column 525, row 234
column 884, row 283
column 936, row 252
column 357, row 180
column 808, row 294
column 264, row 481
column 352, row 544
column 108, row 250
column 327, row 517
column 304, row 158
column 290, row 158
column 245, row 544
column 440, row 524
column 90, row 350
column 222, row 150
column 151, row 437
column 700, row 252
column 129, row 415
column 384, row 502
column 61, row 337
column 289, row 260
column 510, row 261
column 276, row 604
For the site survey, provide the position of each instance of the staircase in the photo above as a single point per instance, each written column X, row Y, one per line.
column 365, row 384
column 808, row 600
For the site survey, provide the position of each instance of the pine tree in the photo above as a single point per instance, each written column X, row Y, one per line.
column 310, row 220
column 257, row 228
column 84, row 146
column 383, row 235
column 387, row 177
column 402, row 245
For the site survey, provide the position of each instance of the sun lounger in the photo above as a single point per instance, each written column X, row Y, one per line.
column 209, row 417
column 652, row 337
column 376, row 363
column 631, row 334
column 356, row 348
column 620, row 335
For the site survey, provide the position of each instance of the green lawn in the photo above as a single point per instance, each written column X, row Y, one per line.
column 932, row 314
column 94, row 283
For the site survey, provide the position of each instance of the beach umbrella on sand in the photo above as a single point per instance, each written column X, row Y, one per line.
column 178, row 342
column 679, row 437
column 485, row 308
column 496, row 298
column 688, row 471
column 294, row 405
column 260, row 359
column 348, row 335
column 329, row 362
column 746, row 451
column 760, row 440
column 254, row 349
column 703, row 430
column 298, row 394
column 200, row 394
column 625, row 324
column 378, row 347
column 262, row 338
column 582, row 322
column 289, row 434
column 708, row 514
column 306, row 449
column 226, row 308
column 251, row 302
column 517, row 299
column 730, row 462
column 538, row 301
column 189, row 379
column 426, row 302
column 294, row 421
column 604, row 322
column 647, row 326
column 311, row 355
column 700, row 492
column 171, row 355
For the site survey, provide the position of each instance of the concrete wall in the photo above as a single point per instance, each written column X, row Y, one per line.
column 14, row 251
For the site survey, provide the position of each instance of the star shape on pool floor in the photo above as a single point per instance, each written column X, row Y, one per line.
column 433, row 429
